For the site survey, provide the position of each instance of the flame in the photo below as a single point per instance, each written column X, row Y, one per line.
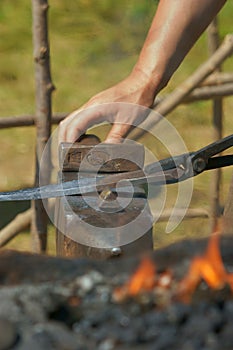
column 144, row 277
column 142, row 280
column 208, row 267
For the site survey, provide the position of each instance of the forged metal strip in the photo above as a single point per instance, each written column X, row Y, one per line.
column 89, row 185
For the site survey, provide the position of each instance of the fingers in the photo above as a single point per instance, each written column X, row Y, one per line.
column 118, row 133
column 71, row 128
column 123, row 116
column 64, row 127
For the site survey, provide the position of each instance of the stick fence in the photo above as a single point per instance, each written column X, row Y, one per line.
column 207, row 82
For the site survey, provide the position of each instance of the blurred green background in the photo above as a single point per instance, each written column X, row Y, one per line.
column 93, row 45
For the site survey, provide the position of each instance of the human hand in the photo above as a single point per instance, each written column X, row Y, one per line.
column 174, row 30
column 120, row 105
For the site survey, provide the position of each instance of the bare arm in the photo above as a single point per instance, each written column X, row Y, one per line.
column 175, row 28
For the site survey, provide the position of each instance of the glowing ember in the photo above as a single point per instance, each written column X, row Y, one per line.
column 208, row 267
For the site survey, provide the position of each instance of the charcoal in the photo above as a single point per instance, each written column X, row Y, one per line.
column 228, row 311
column 107, row 344
column 55, row 304
column 188, row 344
column 218, row 296
column 215, row 318
column 212, row 342
column 226, row 337
column 30, row 344
column 150, row 334
column 156, row 318
column 8, row 334
column 197, row 327
column 178, row 313
column 50, row 335
column 167, row 338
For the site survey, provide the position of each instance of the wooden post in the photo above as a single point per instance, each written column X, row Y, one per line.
column 44, row 88
column 228, row 212
column 215, row 210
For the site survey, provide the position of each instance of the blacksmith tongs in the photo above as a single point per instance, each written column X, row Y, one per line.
column 191, row 164
column 166, row 171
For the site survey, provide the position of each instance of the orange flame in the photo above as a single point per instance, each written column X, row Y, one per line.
column 142, row 280
column 144, row 277
column 208, row 267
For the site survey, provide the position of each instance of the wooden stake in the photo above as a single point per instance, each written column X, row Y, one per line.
column 215, row 210
column 228, row 212
column 44, row 88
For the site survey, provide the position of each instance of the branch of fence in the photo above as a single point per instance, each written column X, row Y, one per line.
column 218, row 78
column 217, row 122
column 206, row 91
column 179, row 213
column 209, row 92
column 44, row 88
column 27, row 120
column 203, row 84
column 22, row 221
column 19, row 224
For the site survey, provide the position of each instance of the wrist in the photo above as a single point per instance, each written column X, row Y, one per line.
column 150, row 84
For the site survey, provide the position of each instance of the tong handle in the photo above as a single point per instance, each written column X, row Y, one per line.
column 219, row 162
column 193, row 163
column 214, row 148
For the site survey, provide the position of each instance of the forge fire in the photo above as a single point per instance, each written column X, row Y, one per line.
column 179, row 297
column 207, row 268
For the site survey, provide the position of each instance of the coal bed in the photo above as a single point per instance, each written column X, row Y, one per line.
column 56, row 303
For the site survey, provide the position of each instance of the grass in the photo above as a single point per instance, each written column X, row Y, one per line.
column 93, row 45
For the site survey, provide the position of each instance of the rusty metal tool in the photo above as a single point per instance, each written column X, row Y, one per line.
column 167, row 171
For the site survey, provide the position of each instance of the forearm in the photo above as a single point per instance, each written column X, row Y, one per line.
column 175, row 28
